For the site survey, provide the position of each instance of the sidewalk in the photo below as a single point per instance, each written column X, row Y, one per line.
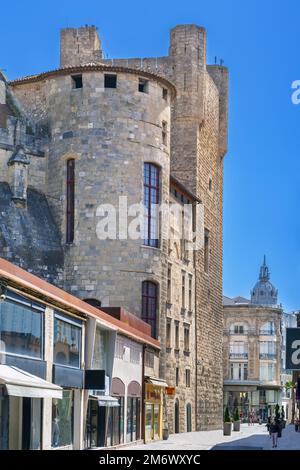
column 249, row 438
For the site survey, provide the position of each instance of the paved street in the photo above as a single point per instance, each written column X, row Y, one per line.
column 249, row 438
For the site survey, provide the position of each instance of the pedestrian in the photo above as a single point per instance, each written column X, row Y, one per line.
column 268, row 426
column 274, row 431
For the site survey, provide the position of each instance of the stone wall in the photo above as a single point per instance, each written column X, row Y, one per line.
column 110, row 133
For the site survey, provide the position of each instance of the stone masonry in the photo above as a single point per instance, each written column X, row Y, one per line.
column 110, row 133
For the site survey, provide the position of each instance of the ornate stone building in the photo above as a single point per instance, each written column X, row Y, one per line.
column 96, row 131
column 252, row 349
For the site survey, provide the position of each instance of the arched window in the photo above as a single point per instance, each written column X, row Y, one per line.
column 188, row 417
column 149, row 305
column 70, row 200
column 93, row 302
column 268, row 328
column 151, row 197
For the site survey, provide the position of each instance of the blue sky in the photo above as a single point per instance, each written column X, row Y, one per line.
column 258, row 40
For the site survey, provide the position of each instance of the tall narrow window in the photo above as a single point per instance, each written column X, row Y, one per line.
column 176, row 335
column 187, row 378
column 149, row 305
column 177, row 376
column 70, row 200
column 183, row 290
column 164, row 132
column 187, row 338
column 206, row 251
column 190, row 293
column 168, row 333
column 169, row 284
column 151, row 201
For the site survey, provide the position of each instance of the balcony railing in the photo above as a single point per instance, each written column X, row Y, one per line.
column 267, row 356
column 240, row 355
column 267, row 332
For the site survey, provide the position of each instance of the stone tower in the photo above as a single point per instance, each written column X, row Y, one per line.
column 109, row 118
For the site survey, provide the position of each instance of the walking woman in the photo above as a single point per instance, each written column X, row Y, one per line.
column 274, row 432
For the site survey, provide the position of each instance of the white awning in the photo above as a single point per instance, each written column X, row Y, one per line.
column 156, row 382
column 19, row 383
column 105, row 400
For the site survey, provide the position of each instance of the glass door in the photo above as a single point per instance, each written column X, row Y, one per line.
column 4, row 423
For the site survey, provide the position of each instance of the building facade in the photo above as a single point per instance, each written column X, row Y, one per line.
column 252, row 350
column 71, row 375
column 96, row 134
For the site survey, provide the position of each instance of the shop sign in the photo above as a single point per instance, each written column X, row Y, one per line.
column 170, row 391
column 293, row 348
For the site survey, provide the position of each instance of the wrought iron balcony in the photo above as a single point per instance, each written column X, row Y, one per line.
column 240, row 355
column 267, row 332
column 267, row 356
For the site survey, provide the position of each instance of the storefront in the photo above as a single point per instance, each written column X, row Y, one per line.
column 154, row 399
column 67, row 372
column 21, row 398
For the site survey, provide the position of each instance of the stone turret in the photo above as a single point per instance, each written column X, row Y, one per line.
column 79, row 46
column 18, row 174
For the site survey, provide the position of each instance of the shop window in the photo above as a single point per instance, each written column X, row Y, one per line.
column 115, row 427
column 149, row 305
column 133, row 419
column 67, row 342
column 151, row 201
column 110, row 81
column 100, row 349
column 21, row 328
column 63, row 420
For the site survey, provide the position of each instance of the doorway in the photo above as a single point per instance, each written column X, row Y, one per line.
column 176, row 416
column 31, row 423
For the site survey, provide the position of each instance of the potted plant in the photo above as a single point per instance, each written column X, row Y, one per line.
column 227, row 423
column 236, row 420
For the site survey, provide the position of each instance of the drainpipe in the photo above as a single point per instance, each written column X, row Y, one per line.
column 143, row 396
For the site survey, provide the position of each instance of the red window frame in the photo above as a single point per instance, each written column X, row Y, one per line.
column 70, row 210
column 151, row 197
column 149, row 305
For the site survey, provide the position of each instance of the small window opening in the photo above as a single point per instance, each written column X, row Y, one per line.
column 143, row 86
column 77, row 81
column 165, row 93
column 110, row 81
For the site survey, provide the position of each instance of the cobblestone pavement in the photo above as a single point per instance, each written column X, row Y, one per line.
column 249, row 438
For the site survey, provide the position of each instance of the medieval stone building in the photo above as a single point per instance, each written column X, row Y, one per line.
column 95, row 131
